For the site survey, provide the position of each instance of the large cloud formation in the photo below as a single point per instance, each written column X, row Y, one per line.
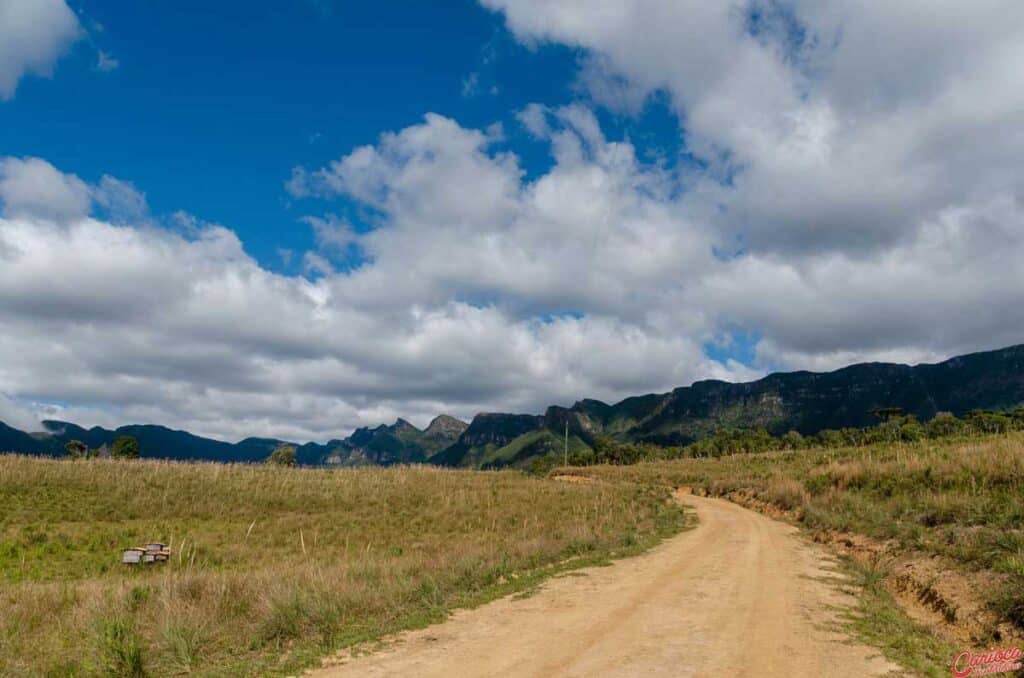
column 474, row 298
column 32, row 36
column 854, row 192
column 862, row 160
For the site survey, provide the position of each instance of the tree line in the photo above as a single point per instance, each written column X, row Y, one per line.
column 894, row 426
column 124, row 447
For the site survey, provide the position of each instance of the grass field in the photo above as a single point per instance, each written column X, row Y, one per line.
column 273, row 568
column 962, row 500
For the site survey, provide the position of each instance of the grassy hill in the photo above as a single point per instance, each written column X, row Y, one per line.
column 275, row 567
column 530, row 446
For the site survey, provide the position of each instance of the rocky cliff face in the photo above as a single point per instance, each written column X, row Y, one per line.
column 486, row 431
column 445, row 428
column 400, row 443
column 809, row 402
column 802, row 401
column 498, row 429
column 580, row 422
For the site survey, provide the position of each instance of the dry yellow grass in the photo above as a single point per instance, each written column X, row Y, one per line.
column 959, row 499
column 274, row 567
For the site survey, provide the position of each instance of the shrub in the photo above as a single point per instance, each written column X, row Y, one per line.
column 787, row 493
column 792, row 441
column 283, row 455
column 911, row 430
column 985, row 422
column 944, row 425
column 125, row 447
column 76, row 449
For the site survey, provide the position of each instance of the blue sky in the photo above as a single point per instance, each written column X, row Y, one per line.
column 212, row 104
column 491, row 204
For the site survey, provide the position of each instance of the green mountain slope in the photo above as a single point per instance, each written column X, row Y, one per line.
column 806, row 402
column 400, row 443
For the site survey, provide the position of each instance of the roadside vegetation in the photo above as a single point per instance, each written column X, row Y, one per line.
column 959, row 497
column 273, row 567
column 894, row 427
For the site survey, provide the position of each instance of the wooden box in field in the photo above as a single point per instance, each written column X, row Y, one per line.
column 132, row 556
column 154, row 552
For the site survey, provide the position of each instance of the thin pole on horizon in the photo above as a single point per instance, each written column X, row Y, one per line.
column 565, row 454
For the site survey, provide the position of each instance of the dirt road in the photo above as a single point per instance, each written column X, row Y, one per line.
column 739, row 595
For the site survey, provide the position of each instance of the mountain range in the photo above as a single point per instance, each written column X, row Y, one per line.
column 400, row 443
column 806, row 402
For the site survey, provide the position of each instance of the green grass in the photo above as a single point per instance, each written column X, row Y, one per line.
column 509, row 451
column 272, row 567
column 536, row 443
column 879, row 621
column 964, row 500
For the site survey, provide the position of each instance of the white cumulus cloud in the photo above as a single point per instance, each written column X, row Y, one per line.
column 33, row 35
column 857, row 194
column 31, row 187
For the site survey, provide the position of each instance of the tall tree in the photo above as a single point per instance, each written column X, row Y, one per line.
column 125, row 447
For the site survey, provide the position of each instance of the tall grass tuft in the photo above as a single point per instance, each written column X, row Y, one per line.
column 119, row 648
